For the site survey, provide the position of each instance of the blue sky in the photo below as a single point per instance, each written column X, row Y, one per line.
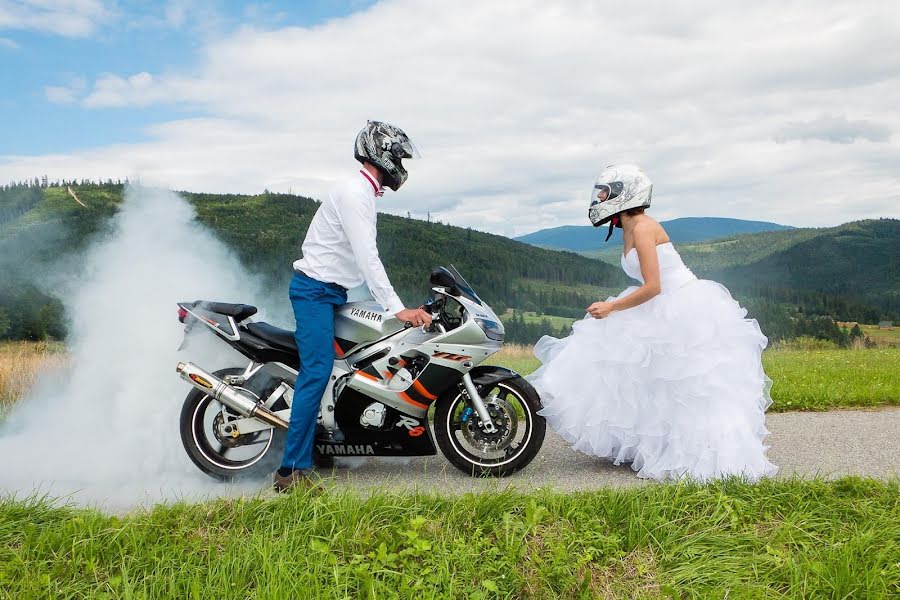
column 759, row 111
column 136, row 37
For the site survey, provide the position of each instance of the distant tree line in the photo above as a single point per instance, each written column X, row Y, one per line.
column 518, row 331
column 26, row 313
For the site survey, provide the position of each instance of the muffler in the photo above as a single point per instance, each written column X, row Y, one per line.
column 230, row 396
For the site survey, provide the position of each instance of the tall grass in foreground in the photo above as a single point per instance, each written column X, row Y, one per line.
column 20, row 363
column 776, row 539
column 804, row 379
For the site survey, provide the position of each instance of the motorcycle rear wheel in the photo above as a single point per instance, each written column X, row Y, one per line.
column 251, row 455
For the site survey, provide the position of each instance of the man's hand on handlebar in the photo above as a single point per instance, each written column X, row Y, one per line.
column 416, row 316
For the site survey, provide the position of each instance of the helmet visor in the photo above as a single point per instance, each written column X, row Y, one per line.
column 405, row 149
column 606, row 191
column 600, row 193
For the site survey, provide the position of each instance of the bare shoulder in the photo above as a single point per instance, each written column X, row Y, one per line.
column 648, row 227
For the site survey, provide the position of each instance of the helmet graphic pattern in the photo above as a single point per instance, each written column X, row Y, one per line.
column 385, row 146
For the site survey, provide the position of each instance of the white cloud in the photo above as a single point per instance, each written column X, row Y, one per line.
column 835, row 129
column 517, row 105
column 65, row 94
column 59, row 94
column 201, row 16
column 8, row 44
column 136, row 90
column 71, row 18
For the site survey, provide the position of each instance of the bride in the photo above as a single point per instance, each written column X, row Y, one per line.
column 666, row 375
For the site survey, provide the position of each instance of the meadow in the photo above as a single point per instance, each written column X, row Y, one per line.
column 20, row 363
column 817, row 378
column 786, row 538
column 775, row 539
column 809, row 376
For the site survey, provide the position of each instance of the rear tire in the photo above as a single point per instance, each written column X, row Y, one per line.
column 454, row 435
column 204, row 451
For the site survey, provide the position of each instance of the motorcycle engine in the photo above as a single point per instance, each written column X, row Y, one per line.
column 373, row 416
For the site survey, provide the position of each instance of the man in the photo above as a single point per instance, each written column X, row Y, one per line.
column 339, row 252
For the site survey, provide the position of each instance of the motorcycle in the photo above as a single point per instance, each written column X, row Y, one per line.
column 394, row 389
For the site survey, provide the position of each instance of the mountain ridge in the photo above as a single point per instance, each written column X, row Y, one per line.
column 588, row 239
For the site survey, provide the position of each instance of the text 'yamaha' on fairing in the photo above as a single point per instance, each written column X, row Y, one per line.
column 391, row 386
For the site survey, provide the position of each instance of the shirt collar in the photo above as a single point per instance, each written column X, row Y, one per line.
column 379, row 190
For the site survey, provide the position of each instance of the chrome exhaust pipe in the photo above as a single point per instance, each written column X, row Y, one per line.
column 230, row 396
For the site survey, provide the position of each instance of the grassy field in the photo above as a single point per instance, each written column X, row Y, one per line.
column 19, row 364
column 533, row 317
column 882, row 337
column 784, row 539
column 803, row 379
column 728, row 539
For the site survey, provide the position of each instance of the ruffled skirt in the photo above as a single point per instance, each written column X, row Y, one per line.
column 674, row 386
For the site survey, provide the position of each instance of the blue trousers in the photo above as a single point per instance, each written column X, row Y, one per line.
column 314, row 304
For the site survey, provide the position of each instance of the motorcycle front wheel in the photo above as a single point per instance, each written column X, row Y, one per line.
column 512, row 405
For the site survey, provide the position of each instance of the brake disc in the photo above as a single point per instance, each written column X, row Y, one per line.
column 505, row 422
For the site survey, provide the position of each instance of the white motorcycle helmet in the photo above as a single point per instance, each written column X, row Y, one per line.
column 619, row 188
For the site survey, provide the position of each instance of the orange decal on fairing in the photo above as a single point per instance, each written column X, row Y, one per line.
column 406, row 398
column 448, row 356
column 421, row 389
column 416, row 431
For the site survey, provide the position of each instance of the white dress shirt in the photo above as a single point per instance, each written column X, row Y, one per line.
column 340, row 243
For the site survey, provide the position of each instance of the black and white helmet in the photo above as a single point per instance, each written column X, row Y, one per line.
column 619, row 188
column 385, row 146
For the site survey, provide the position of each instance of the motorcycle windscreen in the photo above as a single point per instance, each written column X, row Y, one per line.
column 463, row 286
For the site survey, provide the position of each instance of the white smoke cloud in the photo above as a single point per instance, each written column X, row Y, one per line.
column 104, row 431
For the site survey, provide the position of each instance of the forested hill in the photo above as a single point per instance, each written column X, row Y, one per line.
column 42, row 227
column 266, row 232
column 788, row 278
column 856, row 262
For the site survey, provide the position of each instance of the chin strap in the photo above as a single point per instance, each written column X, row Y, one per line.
column 614, row 222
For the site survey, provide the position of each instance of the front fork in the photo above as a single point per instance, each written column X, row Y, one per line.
column 478, row 404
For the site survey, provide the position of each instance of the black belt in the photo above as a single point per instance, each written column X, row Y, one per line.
column 331, row 283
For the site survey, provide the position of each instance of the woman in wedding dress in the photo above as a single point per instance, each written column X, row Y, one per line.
column 665, row 376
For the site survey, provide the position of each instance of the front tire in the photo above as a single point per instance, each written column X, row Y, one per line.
column 513, row 405
column 256, row 455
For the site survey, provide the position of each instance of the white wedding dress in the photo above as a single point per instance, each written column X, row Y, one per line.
column 673, row 386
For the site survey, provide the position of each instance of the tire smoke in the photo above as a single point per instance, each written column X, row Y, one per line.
column 103, row 431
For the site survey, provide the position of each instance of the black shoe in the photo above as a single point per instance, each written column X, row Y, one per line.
column 298, row 478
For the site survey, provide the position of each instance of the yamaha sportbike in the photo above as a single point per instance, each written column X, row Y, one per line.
column 394, row 389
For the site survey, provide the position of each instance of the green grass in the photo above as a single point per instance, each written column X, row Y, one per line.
column 776, row 539
column 804, row 379
column 882, row 336
column 533, row 317
column 825, row 379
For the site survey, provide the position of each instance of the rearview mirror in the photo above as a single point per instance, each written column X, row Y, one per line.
column 441, row 277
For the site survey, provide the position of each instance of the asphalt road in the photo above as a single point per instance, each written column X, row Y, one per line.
column 828, row 444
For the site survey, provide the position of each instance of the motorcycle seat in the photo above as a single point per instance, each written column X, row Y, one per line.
column 274, row 335
column 238, row 311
